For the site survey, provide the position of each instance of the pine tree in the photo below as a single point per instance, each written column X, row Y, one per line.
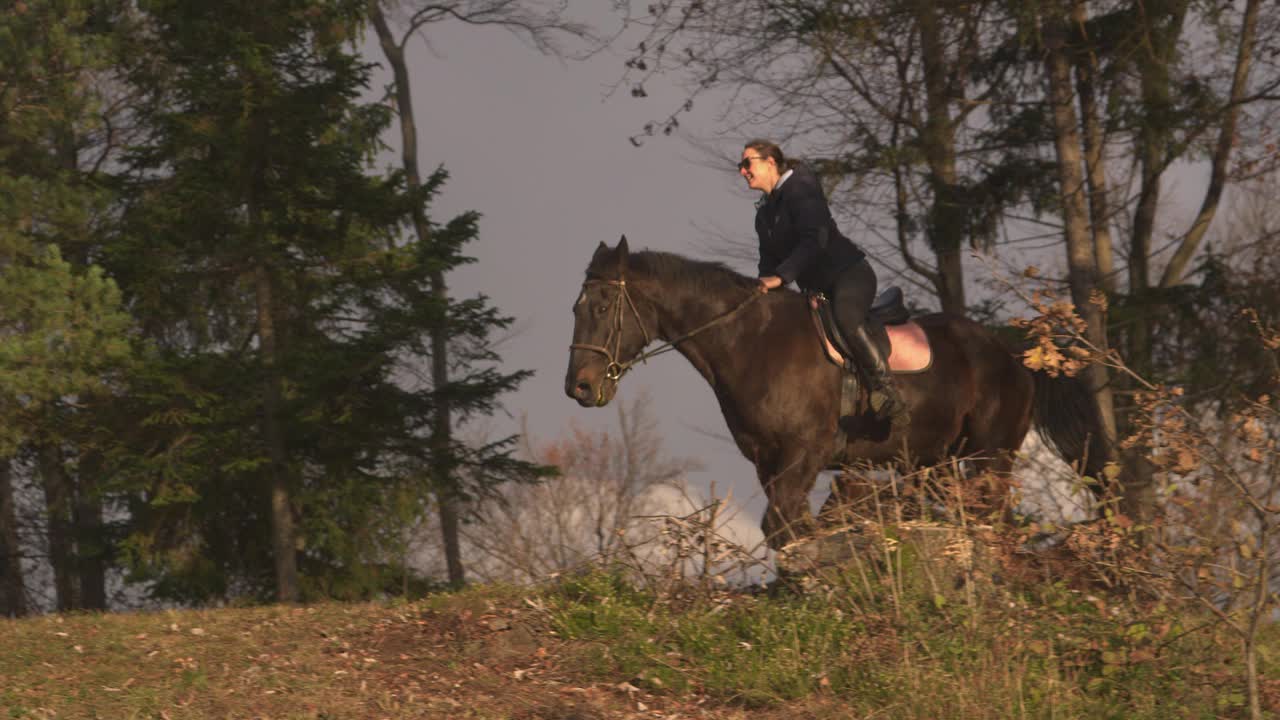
column 289, row 310
column 62, row 330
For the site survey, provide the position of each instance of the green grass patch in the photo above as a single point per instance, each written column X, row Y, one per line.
column 1054, row 654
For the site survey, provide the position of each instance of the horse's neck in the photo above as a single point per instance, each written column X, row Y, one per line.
column 681, row 312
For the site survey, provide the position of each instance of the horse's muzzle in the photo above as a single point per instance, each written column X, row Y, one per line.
column 588, row 393
column 583, row 393
column 577, row 387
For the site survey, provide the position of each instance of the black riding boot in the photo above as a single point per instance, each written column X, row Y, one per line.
column 886, row 401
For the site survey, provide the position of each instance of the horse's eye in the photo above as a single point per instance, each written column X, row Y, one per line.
column 601, row 309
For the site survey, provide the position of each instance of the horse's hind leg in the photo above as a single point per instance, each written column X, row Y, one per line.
column 994, row 476
column 786, row 486
column 994, row 450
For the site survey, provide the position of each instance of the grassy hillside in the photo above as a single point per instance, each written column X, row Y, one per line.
column 595, row 646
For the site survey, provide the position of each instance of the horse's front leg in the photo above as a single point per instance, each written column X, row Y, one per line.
column 786, row 486
column 855, row 495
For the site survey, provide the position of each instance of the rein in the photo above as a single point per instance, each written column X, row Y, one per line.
column 616, row 369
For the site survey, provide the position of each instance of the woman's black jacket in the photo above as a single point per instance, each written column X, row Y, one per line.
column 799, row 240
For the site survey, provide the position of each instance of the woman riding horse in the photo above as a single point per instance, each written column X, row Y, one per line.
column 799, row 241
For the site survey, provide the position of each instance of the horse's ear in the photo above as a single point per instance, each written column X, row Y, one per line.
column 622, row 251
column 602, row 252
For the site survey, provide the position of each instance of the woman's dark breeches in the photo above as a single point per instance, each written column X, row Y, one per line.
column 852, row 295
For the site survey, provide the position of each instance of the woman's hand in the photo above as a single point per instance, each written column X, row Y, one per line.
column 770, row 282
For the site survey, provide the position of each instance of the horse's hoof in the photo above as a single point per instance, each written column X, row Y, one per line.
column 818, row 552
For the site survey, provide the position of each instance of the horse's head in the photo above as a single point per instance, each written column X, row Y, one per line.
column 609, row 328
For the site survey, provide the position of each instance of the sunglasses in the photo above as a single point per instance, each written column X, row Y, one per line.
column 745, row 164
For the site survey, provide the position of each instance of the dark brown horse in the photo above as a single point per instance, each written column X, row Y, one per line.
column 780, row 396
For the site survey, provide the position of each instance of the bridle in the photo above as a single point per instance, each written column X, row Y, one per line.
column 618, row 307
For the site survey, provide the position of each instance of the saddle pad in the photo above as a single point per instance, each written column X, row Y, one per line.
column 909, row 346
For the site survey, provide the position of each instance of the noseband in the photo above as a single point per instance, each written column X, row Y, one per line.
column 617, row 307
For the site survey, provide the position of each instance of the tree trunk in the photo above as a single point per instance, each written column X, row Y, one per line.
column 284, row 535
column 947, row 216
column 91, row 545
column 283, row 532
column 442, row 424
column 1259, row 606
column 13, row 591
column 1177, row 267
column 1086, row 67
column 1083, row 271
column 253, row 166
column 1151, row 142
column 57, row 498
column 1160, row 25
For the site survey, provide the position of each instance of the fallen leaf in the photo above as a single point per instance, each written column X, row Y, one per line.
column 1141, row 655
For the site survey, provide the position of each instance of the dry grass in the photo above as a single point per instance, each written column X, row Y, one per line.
column 479, row 654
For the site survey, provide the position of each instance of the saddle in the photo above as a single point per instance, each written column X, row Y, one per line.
column 901, row 341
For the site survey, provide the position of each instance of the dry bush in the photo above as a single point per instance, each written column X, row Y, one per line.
column 618, row 499
column 1212, row 536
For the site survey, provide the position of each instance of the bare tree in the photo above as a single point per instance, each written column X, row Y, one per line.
column 890, row 101
column 530, row 531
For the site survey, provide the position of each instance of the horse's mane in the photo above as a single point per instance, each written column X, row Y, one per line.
column 704, row 276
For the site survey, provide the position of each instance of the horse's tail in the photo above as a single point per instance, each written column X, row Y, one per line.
column 1066, row 418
